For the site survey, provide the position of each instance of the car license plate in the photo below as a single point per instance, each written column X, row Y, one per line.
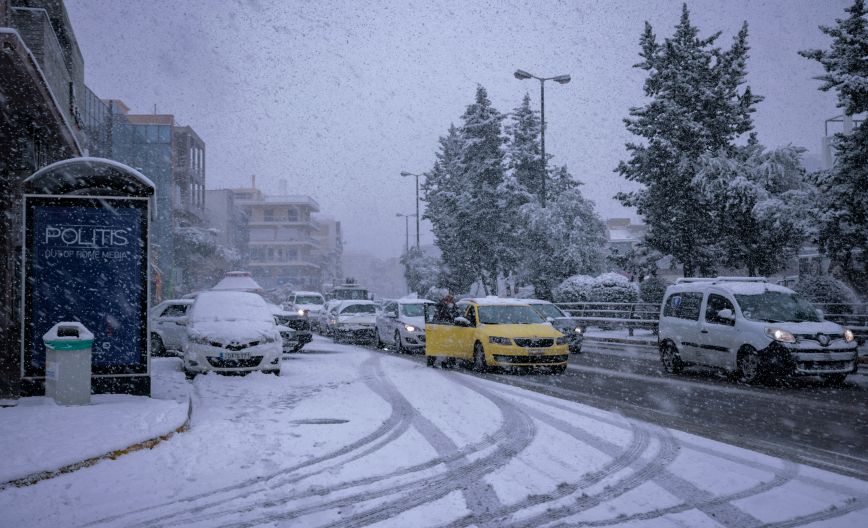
column 236, row 355
column 535, row 352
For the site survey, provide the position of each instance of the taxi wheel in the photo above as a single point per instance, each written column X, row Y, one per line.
column 399, row 345
column 479, row 363
column 429, row 360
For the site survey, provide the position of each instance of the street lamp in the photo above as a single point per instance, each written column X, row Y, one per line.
column 406, row 231
column 522, row 75
column 405, row 174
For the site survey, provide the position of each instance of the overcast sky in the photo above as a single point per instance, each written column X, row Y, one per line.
column 339, row 97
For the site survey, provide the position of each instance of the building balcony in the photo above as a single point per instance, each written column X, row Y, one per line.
column 302, row 241
column 284, row 264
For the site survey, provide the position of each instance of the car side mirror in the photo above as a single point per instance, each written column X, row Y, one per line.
column 461, row 321
column 726, row 315
column 393, row 315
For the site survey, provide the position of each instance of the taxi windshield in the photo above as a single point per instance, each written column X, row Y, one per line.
column 508, row 315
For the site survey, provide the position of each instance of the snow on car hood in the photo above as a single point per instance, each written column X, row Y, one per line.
column 357, row 318
column 238, row 331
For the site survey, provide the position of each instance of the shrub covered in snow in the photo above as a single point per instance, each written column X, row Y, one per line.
column 574, row 289
column 651, row 289
column 825, row 289
column 615, row 288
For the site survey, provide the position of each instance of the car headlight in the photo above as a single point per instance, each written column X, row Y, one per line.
column 499, row 340
column 780, row 335
column 563, row 340
column 300, row 311
column 410, row 328
column 848, row 335
column 579, row 329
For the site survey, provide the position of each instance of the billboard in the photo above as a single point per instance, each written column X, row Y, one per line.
column 85, row 259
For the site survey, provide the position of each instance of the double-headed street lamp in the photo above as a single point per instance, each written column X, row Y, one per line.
column 405, row 174
column 406, row 230
column 561, row 79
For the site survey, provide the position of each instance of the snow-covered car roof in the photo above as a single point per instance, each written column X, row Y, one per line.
column 535, row 301
column 238, row 281
column 177, row 301
column 229, row 306
column 414, row 301
column 307, row 293
column 735, row 287
column 493, row 300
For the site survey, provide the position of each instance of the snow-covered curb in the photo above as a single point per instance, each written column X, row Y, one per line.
column 31, row 450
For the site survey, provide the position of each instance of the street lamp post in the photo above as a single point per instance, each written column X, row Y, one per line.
column 405, row 174
column 406, row 231
column 560, row 79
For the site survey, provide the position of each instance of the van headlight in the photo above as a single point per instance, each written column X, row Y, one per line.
column 410, row 328
column 780, row 335
column 499, row 340
column 848, row 335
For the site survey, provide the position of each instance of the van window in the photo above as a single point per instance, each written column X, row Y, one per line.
column 684, row 305
column 715, row 304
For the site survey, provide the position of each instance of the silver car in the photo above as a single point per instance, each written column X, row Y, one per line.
column 168, row 326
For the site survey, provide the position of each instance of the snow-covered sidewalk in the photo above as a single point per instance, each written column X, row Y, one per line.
column 39, row 437
column 348, row 437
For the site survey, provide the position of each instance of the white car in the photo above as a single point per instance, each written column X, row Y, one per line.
column 751, row 328
column 401, row 324
column 354, row 321
column 169, row 326
column 231, row 331
column 319, row 321
column 304, row 303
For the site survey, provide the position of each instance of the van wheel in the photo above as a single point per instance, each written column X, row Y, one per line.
column 749, row 366
column 479, row 363
column 672, row 363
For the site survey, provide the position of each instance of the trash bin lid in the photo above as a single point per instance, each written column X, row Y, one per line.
column 68, row 335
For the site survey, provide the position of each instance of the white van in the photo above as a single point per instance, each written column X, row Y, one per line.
column 751, row 328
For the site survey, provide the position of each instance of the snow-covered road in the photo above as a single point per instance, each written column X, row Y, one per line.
column 349, row 436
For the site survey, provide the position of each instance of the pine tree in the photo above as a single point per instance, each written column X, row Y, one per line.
column 697, row 107
column 480, row 222
column 759, row 217
column 843, row 232
column 523, row 147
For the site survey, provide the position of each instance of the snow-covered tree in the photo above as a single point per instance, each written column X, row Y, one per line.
column 523, row 147
column 422, row 271
column 829, row 291
column 757, row 200
column 637, row 262
column 201, row 260
column 566, row 238
column 843, row 233
column 697, row 106
column 574, row 289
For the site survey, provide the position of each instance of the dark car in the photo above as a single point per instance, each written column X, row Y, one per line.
column 300, row 324
column 562, row 322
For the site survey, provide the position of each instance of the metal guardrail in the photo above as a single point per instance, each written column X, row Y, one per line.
column 613, row 315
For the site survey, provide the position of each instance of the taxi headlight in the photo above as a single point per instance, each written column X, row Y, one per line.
column 848, row 335
column 563, row 340
column 780, row 335
column 499, row 340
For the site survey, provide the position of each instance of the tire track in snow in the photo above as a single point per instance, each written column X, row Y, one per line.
column 396, row 420
column 518, row 430
column 638, row 444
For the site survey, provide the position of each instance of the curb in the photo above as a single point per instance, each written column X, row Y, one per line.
column 33, row 478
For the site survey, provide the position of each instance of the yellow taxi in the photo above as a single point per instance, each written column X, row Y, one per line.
column 493, row 332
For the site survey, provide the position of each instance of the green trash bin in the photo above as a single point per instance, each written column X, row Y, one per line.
column 68, row 348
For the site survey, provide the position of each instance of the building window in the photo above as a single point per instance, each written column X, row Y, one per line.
column 292, row 214
column 269, row 215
